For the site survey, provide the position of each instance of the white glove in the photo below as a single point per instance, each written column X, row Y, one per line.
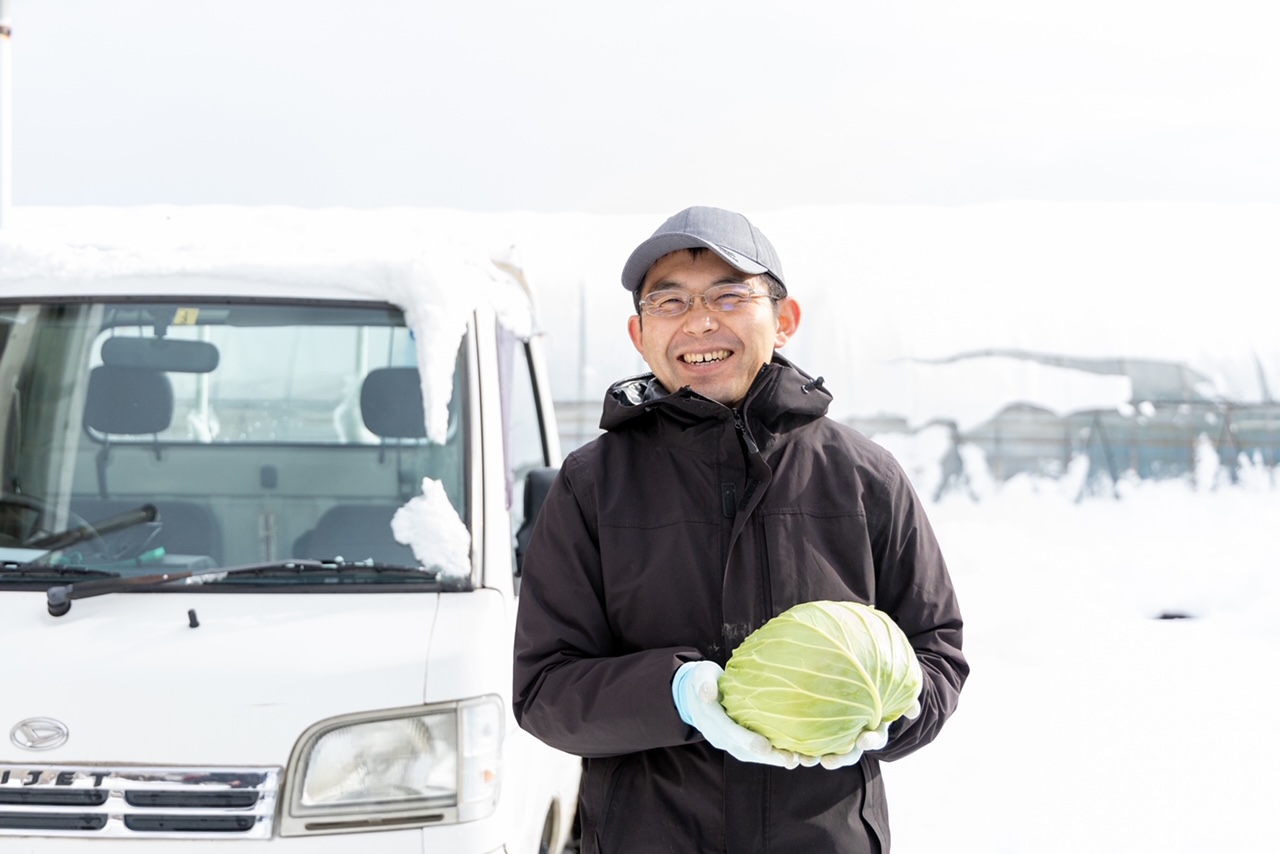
column 872, row 739
column 696, row 692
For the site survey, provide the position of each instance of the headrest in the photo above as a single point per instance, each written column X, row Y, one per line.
column 391, row 403
column 128, row 400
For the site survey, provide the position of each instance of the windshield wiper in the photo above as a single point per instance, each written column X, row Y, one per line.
column 284, row 569
column 12, row 569
column 60, row 597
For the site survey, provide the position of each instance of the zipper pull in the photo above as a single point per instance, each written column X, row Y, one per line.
column 811, row 385
column 728, row 500
column 741, row 426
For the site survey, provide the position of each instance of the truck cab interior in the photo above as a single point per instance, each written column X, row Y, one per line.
column 254, row 431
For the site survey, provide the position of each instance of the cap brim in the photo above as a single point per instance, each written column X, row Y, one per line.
column 647, row 254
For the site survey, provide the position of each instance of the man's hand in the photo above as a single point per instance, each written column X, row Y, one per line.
column 872, row 739
column 696, row 692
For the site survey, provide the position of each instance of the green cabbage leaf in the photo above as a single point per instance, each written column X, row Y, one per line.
column 820, row 674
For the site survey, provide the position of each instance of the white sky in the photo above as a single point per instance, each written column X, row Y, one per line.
column 573, row 105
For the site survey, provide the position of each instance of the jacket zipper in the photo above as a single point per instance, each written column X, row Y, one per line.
column 755, row 462
column 753, row 455
column 766, row 585
column 741, row 426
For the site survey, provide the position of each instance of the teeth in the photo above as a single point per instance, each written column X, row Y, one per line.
column 713, row 356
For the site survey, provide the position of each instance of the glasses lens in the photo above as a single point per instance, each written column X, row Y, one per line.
column 673, row 303
column 666, row 303
column 728, row 297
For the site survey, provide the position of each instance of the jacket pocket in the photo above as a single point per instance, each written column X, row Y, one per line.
column 599, row 781
column 663, row 800
column 812, row 557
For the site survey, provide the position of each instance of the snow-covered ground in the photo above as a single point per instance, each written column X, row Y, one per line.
column 1089, row 723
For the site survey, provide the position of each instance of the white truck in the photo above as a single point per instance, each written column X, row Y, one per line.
column 259, row 522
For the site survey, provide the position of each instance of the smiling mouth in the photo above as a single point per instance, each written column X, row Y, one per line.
column 704, row 358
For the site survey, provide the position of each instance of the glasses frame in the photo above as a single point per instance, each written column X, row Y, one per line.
column 690, row 299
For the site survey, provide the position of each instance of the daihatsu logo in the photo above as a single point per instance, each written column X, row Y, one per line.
column 39, row 734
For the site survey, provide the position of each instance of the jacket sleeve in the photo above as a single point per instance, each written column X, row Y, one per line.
column 573, row 688
column 914, row 586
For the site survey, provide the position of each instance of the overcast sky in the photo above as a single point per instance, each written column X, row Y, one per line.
column 582, row 105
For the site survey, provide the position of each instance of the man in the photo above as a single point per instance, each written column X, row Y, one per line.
column 719, row 496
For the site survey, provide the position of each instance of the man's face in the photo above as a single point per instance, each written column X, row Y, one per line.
column 718, row 354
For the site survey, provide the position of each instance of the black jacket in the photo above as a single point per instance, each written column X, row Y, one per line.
column 672, row 537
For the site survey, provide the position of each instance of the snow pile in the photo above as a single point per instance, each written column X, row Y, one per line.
column 430, row 526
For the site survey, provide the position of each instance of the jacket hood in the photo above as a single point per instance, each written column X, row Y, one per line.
column 780, row 390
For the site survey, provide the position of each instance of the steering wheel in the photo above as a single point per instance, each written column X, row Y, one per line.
column 30, row 537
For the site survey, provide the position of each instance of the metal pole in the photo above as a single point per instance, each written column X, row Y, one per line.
column 6, row 113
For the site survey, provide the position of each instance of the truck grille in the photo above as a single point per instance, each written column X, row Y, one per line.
column 135, row 802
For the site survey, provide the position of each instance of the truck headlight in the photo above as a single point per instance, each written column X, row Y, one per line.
column 425, row 765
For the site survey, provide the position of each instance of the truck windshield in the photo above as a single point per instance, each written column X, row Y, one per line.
column 142, row 438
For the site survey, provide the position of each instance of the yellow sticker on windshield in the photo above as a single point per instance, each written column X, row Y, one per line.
column 186, row 316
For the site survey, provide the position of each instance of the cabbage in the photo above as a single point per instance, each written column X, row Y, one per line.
column 820, row 674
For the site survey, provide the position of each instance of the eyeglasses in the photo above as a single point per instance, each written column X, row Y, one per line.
column 672, row 302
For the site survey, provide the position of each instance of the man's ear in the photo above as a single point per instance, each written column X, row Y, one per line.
column 636, row 330
column 788, row 321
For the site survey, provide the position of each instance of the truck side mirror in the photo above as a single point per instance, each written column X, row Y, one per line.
column 537, row 484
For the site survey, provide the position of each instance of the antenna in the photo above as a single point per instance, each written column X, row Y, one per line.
column 6, row 113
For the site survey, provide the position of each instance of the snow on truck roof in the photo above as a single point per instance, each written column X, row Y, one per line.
column 260, row 252
column 289, row 253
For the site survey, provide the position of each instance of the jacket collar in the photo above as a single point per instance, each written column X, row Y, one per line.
column 780, row 390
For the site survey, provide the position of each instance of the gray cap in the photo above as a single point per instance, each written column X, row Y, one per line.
column 730, row 235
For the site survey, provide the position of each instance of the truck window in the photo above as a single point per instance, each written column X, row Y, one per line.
column 524, row 431
column 260, row 431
